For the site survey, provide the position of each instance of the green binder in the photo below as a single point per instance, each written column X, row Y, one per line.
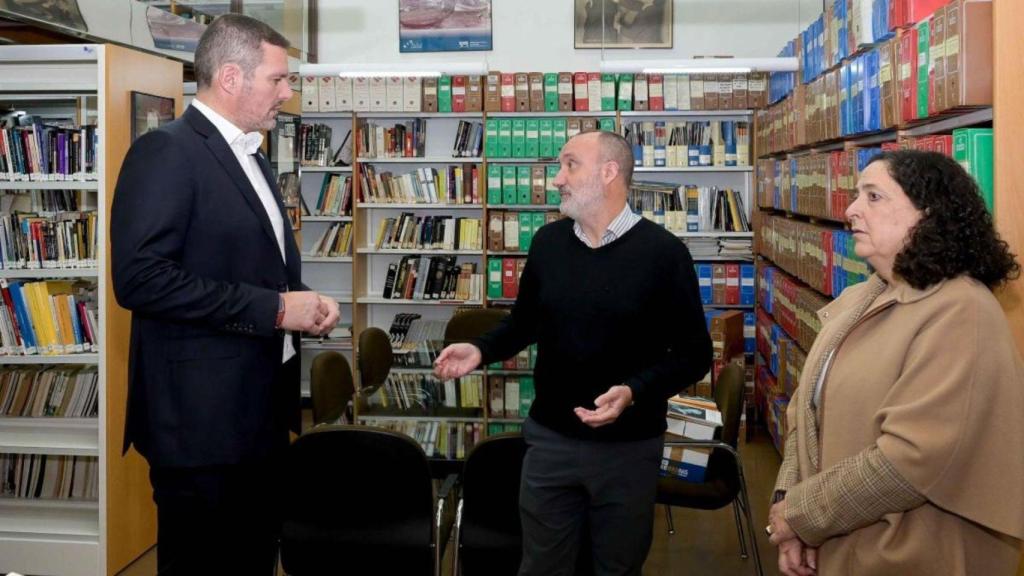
column 508, row 185
column 493, row 184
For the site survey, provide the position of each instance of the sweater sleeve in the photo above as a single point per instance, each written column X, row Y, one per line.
column 688, row 357
column 518, row 329
column 851, row 494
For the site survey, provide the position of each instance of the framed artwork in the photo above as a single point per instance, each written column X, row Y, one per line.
column 623, row 24
column 149, row 112
column 444, row 25
column 61, row 12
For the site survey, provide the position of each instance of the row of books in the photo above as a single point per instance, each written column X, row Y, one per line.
column 335, row 241
column 719, row 248
column 402, row 140
column 816, row 184
column 537, row 137
column 726, row 283
column 315, row 145
column 668, row 144
column 791, row 303
column 822, row 257
column 401, row 329
column 432, row 278
column 37, row 152
column 773, row 405
column 523, row 184
column 495, row 428
column 335, row 197
column 49, row 202
column 61, row 240
column 440, row 232
column 457, row 184
column 784, row 355
column 438, row 438
column 535, row 92
column 510, row 396
column 62, row 392
column 503, row 277
column 49, row 477
column 510, row 231
column 942, row 64
column 690, row 208
column 419, row 393
column 48, row 318
column 526, row 359
column 469, row 140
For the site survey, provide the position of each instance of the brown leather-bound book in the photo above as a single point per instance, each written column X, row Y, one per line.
column 538, row 187
column 969, row 38
column 495, row 230
column 536, row 83
column 474, row 94
column 711, row 92
column 522, row 92
column 739, row 92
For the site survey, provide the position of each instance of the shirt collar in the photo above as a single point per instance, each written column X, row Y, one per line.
column 247, row 143
column 616, row 228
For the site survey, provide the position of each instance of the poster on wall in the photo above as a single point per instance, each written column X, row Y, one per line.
column 172, row 32
column 61, row 12
column 444, row 25
column 149, row 112
column 623, row 24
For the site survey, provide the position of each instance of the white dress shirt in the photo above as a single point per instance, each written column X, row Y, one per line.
column 245, row 146
column 616, row 228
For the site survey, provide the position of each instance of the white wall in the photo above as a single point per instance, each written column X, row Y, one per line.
column 538, row 34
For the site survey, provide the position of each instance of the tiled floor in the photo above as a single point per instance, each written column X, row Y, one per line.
column 705, row 543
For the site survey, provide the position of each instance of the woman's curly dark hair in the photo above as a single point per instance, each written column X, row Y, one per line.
column 956, row 234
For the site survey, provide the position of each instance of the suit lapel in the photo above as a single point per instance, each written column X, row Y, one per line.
column 290, row 248
column 222, row 152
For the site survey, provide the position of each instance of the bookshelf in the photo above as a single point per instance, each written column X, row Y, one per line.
column 109, row 520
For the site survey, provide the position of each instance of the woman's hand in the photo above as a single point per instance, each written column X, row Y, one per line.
column 780, row 529
column 795, row 559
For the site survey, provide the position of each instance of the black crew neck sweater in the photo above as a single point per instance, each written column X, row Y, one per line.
column 627, row 313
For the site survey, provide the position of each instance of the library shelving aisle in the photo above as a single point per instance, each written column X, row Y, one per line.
column 70, row 503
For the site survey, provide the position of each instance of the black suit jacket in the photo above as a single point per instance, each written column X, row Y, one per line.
column 195, row 259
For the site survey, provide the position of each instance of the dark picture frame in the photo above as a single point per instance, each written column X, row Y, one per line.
column 445, row 25
column 149, row 112
column 625, row 23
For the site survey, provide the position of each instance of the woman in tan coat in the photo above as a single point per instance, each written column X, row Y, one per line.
column 905, row 448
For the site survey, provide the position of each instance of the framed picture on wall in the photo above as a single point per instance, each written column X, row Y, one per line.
column 623, row 23
column 444, row 25
column 149, row 112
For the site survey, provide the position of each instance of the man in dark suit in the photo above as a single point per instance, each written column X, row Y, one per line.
column 202, row 257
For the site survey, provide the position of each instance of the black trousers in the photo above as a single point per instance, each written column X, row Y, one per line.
column 610, row 486
column 218, row 519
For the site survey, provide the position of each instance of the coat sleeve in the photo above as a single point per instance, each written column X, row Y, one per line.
column 150, row 218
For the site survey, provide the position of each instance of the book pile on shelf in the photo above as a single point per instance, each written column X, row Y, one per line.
column 335, row 241
column 440, row 232
column 469, row 140
column 335, row 198
column 432, row 278
column 403, row 140
column 419, row 393
column 32, row 151
column 511, row 396
column 50, row 477
column 702, row 248
column 503, row 277
column 55, row 241
column 438, row 438
column 882, row 64
column 315, row 146
column 535, row 92
column 448, row 185
column 822, row 257
column 510, row 231
column 537, row 137
column 61, row 392
column 49, row 317
column 693, row 418
column 729, row 284
column 408, row 330
column 682, row 144
column 522, row 185
column 689, row 208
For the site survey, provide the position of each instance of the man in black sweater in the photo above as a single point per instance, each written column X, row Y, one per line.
column 613, row 304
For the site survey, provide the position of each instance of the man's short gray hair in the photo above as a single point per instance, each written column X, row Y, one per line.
column 233, row 39
column 615, row 148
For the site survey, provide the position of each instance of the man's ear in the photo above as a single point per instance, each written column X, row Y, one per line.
column 229, row 78
column 609, row 171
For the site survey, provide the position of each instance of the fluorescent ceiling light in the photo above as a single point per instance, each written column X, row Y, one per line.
column 420, row 69
column 700, row 65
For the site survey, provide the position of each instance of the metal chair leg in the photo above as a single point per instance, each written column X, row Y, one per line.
column 668, row 518
column 750, row 519
column 739, row 528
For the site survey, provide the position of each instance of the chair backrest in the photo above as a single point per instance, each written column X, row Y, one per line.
column 470, row 324
column 374, row 358
column 729, row 397
column 358, row 500
column 491, row 533
column 330, row 385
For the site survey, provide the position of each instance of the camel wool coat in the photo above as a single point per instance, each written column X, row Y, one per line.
column 932, row 380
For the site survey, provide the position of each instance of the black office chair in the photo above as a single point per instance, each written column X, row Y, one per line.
column 470, row 324
column 374, row 358
column 724, row 482
column 331, row 387
column 360, row 501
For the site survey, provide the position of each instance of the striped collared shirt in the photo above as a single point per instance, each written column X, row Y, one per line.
column 619, row 226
